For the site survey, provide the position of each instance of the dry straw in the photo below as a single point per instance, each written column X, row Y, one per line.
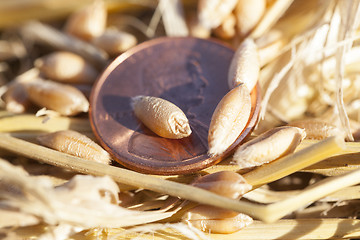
column 269, row 213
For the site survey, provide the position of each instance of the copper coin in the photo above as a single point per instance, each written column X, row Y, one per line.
column 189, row 72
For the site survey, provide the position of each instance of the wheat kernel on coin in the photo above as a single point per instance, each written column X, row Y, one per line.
column 161, row 116
column 88, row 22
column 76, row 144
column 62, row 98
column 269, row 146
column 245, row 65
column 216, row 220
column 229, row 119
column 66, row 67
column 225, row 183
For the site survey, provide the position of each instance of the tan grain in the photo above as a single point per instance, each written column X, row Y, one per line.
column 66, row 67
column 269, row 146
column 62, row 98
column 76, row 144
column 229, row 119
column 161, row 116
column 245, row 65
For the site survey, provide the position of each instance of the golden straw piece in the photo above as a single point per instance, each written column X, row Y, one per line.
column 48, row 35
column 267, row 213
column 271, row 16
column 29, row 122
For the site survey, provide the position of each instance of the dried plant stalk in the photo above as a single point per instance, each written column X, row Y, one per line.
column 270, row 17
column 45, row 34
column 301, row 229
column 27, row 122
column 266, row 213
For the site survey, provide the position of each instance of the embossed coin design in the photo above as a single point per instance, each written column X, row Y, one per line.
column 189, row 72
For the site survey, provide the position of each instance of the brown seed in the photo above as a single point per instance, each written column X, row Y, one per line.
column 88, row 22
column 248, row 14
column 75, row 144
column 245, row 65
column 269, row 146
column 161, row 116
column 317, row 129
column 229, row 119
column 62, row 98
column 66, row 67
column 216, row 220
column 16, row 98
column 225, row 183
column 115, row 42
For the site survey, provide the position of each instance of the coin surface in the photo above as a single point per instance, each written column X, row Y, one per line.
column 189, row 72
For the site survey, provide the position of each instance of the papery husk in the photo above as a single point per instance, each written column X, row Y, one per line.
column 84, row 202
